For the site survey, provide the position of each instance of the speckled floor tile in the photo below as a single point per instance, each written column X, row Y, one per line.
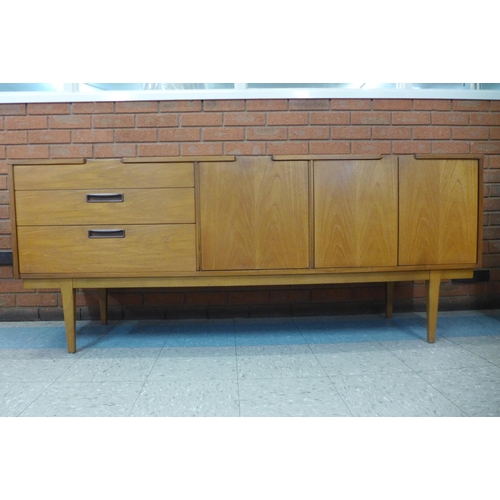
column 202, row 363
column 486, row 347
column 469, row 326
column 15, row 338
column 475, row 390
column 357, row 358
column 201, row 333
column 188, row 398
column 35, row 365
column 277, row 362
column 265, row 332
column 304, row 397
column 16, row 396
column 397, row 394
column 85, row 399
column 441, row 355
column 114, row 364
column 324, row 332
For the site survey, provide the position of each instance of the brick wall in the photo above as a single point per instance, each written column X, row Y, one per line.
column 252, row 127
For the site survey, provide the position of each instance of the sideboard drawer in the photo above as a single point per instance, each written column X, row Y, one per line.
column 100, row 206
column 104, row 249
column 105, row 174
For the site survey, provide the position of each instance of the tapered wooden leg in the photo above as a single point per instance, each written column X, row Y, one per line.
column 389, row 300
column 68, row 294
column 432, row 304
column 103, row 305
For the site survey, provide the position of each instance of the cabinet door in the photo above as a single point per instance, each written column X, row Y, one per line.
column 355, row 213
column 254, row 214
column 438, row 211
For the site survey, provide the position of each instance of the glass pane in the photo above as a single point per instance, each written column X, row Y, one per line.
column 489, row 86
column 91, row 87
column 31, row 87
column 444, row 86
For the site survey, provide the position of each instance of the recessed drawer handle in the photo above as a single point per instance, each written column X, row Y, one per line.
column 106, row 233
column 105, row 198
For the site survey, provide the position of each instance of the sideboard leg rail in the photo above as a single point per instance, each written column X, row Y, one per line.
column 68, row 294
column 432, row 303
column 103, row 305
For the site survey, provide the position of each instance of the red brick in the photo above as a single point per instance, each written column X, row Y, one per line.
column 369, row 293
column 87, row 299
column 354, row 104
column 13, row 286
column 69, row 121
column 485, row 118
column 352, row 132
column 491, row 205
column 224, row 105
column 288, row 148
column 36, row 299
column 492, row 176
column 287, row 118
column 392, row 104
column 410, row 147
column 113, row 121
column 3, row 152
column 137, row 107
column 164, row 298
column 4, row 198
column 329, row 148
column 6, row 272
column 309, row 104
column 471, row 133
column 266, row 133
column 212, row 149
column 7, row 301
column 49, row 136
column 60, row 108
column 450, row 147
column 491, row 233
column 248, row 119
column 331, row 294
column 125, row 299
column 13, row 137
column 391, row 132
column 201, row 120
column 329, row 118
column 494, row 162
column 494, row 246
column 453, row 289
column 5, row 242
column 179, row 134
column 92, row 136
column 411, row 118
column 245, row 148
column 114, row 150
column 165, row 120
column 494, row 133
column 5, row 227
column 289, row 296
column 136, row 135
column 450, row 118
column 267, row 105
column 223, row 134
column 3, row 182
column 12, row 109
column 370, row 118
column 303, row 133
column 471, row 105
column 490, row 148
column 433, row 132
column 92, row 108
column 253, row 297
column 179, row 106
column 157, row 150
column 431, row 105
column 19, row 152
column 4, row 212
column 206, row 298
column 25, row 122
column 371, row 147
column 80, row 151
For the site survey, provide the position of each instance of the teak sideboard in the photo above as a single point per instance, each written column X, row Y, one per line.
column 223, row 221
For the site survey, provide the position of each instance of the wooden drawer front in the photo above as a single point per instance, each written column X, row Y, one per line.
column 104, row 174
column 139, row 206
column 69, row 250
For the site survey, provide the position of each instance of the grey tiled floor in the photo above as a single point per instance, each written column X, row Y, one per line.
column 313, row 366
